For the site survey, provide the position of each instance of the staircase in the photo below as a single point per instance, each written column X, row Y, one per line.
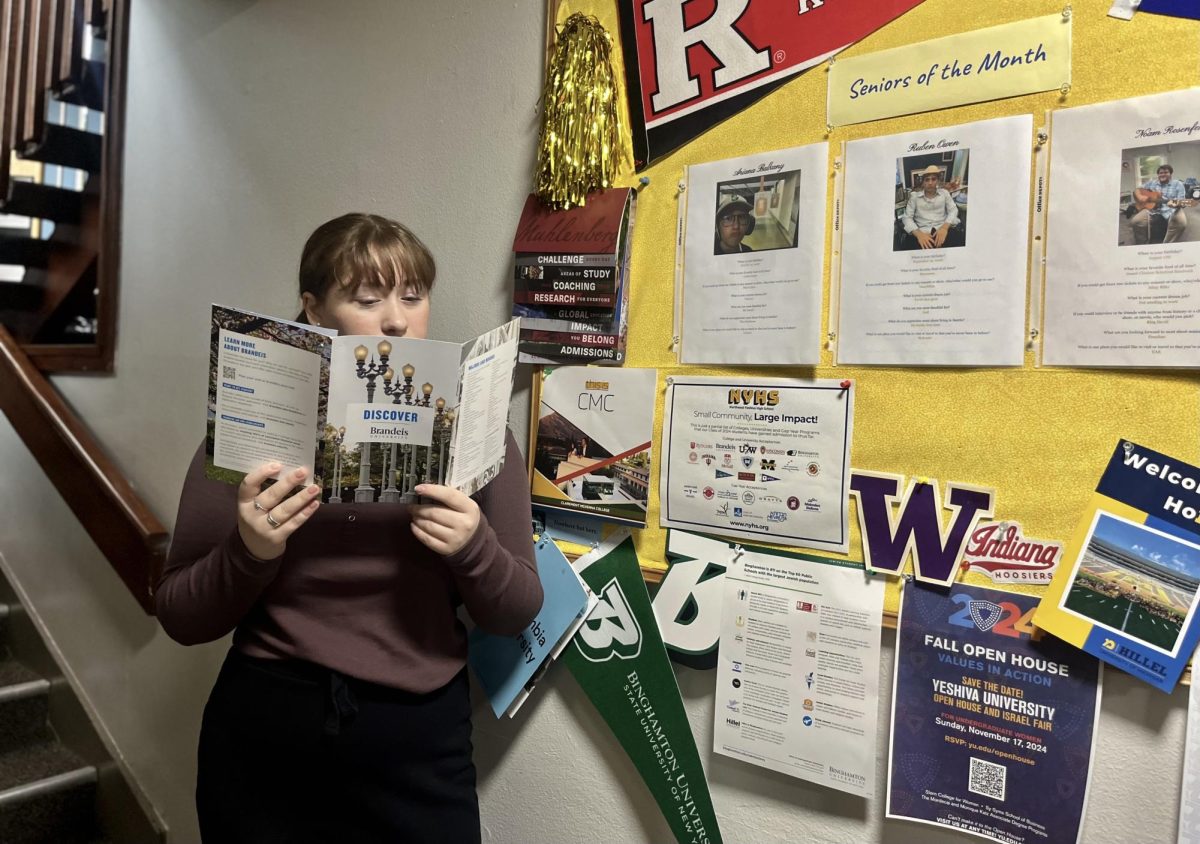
column 61, row 96
column 57, row 782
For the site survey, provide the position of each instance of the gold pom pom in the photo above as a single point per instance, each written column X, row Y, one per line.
column 580, row 141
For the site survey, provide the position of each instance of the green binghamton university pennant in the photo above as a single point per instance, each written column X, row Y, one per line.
column 619, row 659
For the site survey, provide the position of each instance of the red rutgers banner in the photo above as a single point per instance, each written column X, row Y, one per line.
column 689, row 64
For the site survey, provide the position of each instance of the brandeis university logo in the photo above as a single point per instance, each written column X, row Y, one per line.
column 611, row 630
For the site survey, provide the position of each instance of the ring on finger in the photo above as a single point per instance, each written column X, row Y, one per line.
column 258, row 506
column 271, row 521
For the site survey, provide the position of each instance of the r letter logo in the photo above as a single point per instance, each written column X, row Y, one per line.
column 736, row 58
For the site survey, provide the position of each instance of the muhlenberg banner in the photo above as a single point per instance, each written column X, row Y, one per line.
column 689, row 65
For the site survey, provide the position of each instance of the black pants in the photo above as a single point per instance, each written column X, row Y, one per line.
column 954, row 237
column 292, row 752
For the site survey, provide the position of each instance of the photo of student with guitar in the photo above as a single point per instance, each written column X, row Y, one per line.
column 1157, row 213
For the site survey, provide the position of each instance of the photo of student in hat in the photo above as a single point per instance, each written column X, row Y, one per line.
column 735, row 220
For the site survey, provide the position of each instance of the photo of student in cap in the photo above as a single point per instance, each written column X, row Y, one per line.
column 931, row 216
column 735, row 220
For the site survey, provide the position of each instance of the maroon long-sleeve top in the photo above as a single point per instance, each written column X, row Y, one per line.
column 354, row 591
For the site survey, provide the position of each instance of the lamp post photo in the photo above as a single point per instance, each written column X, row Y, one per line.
column 365, row 492
column 335, row 438
column 401, row 394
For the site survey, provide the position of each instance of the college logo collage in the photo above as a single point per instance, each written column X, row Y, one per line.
column 729, row 482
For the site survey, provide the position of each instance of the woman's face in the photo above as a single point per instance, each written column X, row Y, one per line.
column 371, row 309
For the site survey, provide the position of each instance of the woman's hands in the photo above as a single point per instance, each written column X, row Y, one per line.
column 448, row 524
column 265, row 520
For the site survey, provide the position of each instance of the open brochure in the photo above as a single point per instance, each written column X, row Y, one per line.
column 372, row 416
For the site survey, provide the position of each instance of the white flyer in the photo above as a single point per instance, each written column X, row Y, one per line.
column 752, row 258
column 764, row 459
column 798, row 673
column 1123, row 236
column 1189, row 804
column 928, row 278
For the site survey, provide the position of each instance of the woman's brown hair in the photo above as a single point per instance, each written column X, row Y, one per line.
column 364, row 248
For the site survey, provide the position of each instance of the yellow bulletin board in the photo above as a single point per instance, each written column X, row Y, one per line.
column 1040, row 437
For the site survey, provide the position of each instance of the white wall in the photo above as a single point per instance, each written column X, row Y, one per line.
column 249, row 124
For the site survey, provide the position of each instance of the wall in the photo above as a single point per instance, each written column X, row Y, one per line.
column 249, row 124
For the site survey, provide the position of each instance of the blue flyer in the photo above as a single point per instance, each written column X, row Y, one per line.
column 992, row 731
column 506, row 665
column 1128, row 589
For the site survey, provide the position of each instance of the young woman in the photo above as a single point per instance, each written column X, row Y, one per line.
column 342, row 712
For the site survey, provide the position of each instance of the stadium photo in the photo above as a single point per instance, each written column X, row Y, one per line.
column 1135, row 580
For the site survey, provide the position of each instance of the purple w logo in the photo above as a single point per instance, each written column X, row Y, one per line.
column 916, row 528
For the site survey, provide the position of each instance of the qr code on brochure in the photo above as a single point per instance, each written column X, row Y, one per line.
column 229, row 372
column 987, row 778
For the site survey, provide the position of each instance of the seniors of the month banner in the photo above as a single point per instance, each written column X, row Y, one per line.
column 935, row 234
column 1123, row 237
column 992, row 732
column 619, row 659
column 764, row 459
column 752, row 254
column 987, row 64
column 1129, row 586
column 690, row 65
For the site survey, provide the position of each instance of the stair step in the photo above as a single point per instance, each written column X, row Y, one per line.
column 67, row 147
column 33, row 200
column 51, row 799
column 24, row 707
column 47, row 765
column 24, row 251
column 88, row 89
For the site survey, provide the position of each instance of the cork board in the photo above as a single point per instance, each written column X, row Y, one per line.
column 1039, row 437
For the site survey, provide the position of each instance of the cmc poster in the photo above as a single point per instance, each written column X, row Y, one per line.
column 690, row 65
column 992, row 731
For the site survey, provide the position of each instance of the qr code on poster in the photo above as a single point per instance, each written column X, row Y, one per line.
column 229, row 372
column 987, row 778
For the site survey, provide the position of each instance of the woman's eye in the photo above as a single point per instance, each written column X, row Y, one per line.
column 366, row 302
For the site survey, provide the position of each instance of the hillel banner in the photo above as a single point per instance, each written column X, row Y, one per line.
column 619, row 659
column 747, row 49
column 1129, row 586
column 992, row 732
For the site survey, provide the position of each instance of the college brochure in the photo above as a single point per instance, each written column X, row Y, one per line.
column 590, row 449
column 572, row 279
column 509, row 666
column 373, row 416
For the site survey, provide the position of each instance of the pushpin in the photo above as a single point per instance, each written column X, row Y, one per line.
column 738, row 550
column 846, row 384
column 644, row 180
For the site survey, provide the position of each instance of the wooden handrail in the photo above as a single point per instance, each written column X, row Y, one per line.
column 116, row 518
